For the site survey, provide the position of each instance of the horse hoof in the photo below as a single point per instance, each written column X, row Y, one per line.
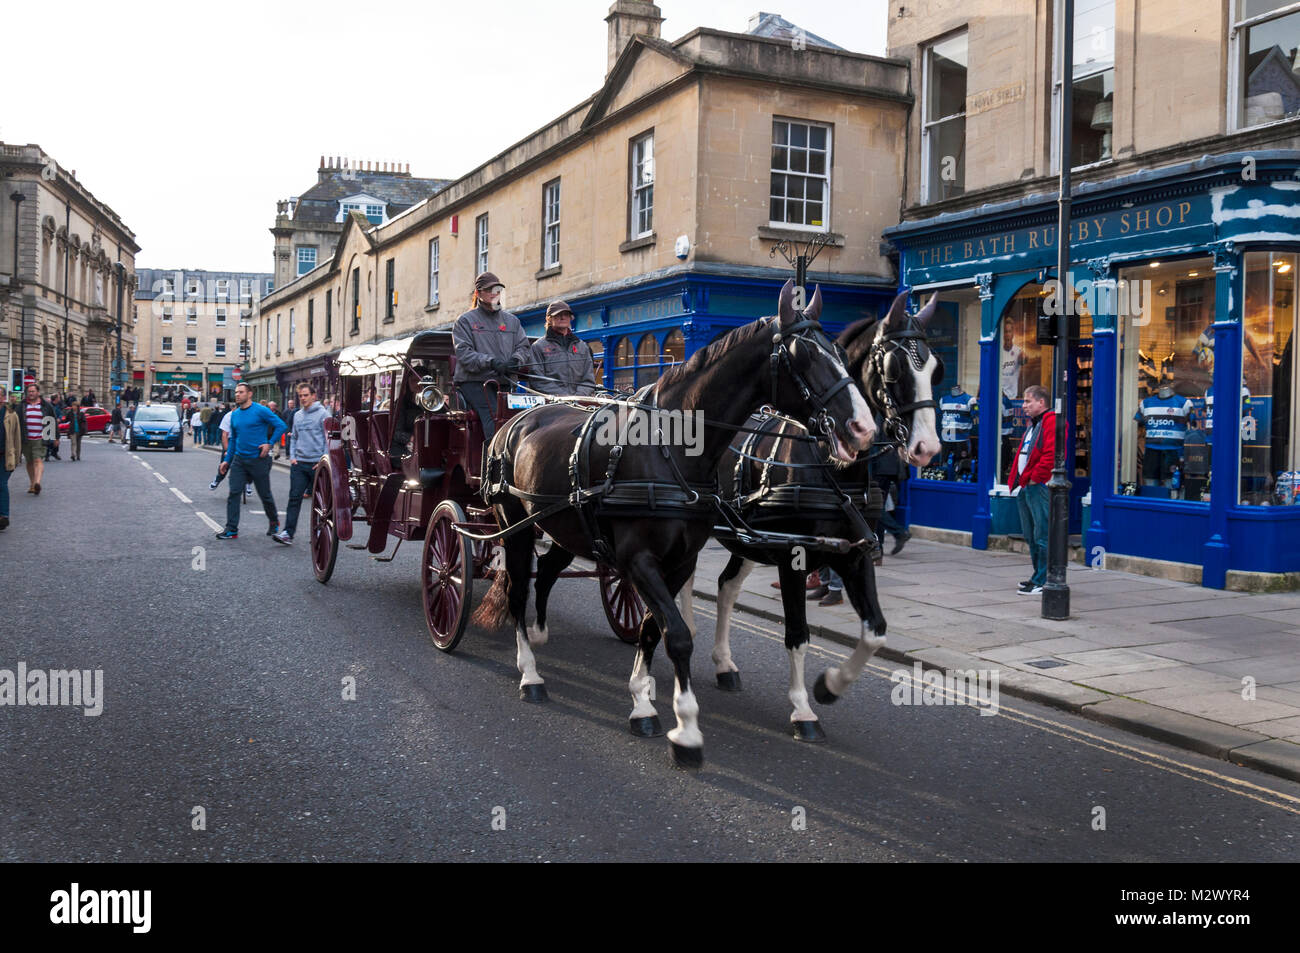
column 729, row 681
column 823, row 694
column 648, row 727
column 810, row 731
column 690, row 759
column 533, row 694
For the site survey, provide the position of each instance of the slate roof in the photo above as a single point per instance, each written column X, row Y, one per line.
column 775, row 26
column 320, row 204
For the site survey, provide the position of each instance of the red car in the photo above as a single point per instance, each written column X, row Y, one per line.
column 98, row 420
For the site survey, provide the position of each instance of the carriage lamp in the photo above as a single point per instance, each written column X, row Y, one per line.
column 431, row 399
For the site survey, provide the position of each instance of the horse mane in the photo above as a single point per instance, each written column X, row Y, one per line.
column 683, row 373
column 856, row 340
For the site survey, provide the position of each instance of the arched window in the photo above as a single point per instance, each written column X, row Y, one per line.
column 624, row 379
column 674, row 348
column 598, row 359
column 647, row 360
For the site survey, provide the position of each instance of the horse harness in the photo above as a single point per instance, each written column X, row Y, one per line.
column 902, row 342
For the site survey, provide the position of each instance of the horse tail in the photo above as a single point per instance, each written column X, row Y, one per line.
column 495, row 607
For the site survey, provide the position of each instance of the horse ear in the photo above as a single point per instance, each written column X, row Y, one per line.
column 925, row 314
column 785, row 309
column 814, row 309
column 896, row 315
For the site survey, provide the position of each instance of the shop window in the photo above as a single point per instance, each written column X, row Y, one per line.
column 674, row 348
column 1166, row 339
column 953, row 335
column 647, row 360
column 1264, row 35
column 943, row 120
column 598, row 360
column 1268, row 381
column 1022, row 361
column 624, row 374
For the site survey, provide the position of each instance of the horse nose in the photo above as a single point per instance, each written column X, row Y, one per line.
column 862, row 433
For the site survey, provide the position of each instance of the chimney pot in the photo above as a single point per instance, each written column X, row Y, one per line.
column 626, row 19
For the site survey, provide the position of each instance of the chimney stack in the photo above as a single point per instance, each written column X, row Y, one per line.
column 626, row 19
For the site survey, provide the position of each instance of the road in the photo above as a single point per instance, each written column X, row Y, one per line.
column 225, row 666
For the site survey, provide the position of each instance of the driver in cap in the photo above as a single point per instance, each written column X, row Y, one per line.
column 490, row 345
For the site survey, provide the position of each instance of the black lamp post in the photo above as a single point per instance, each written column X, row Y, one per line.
column 17, row 198
column 1056, row 593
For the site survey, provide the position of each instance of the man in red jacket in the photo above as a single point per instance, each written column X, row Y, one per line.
column 1031, row 469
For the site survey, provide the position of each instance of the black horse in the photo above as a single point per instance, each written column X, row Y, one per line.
column 897, row 372
column 645, row 505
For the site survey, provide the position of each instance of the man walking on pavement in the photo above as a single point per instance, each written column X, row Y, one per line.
column 1031, row 469
column 35, row 411
column 253, row 431
column 11, row 445
column 306, row 447
column 76, row 419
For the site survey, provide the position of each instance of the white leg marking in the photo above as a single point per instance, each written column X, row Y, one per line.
column 798, row 690
column 686, row 604
column 839, row 678
column 642, row 687
column 728, row 592
column 537, row 636
column 524, row 659
column 687, row 709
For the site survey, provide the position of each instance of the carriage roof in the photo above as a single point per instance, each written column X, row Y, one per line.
column 361, row 359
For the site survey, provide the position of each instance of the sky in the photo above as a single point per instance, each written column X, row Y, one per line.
column 190, row 121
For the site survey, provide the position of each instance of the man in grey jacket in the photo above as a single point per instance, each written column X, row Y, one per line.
column 306, row 447
column 562, row 357
column 490, row 345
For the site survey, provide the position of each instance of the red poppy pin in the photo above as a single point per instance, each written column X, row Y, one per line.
column 502, row 328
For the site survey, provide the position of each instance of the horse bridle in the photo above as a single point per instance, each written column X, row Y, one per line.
column 882, row 349
column 821, row 419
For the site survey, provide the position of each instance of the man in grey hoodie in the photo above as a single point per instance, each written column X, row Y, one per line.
column 306, row 447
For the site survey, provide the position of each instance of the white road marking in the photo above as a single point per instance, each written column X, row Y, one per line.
column 1256, row 792
column 145, row 465
column 209, row 520
column 135, row 456
column 161, row 478
column 181, row 496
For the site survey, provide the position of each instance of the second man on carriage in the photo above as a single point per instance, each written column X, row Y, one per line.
column 561, row 362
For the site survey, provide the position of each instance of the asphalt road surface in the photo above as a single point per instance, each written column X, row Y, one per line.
column 224, row 671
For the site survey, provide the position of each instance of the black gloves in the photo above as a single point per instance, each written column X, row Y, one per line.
column 515, row 365
column 500, row 366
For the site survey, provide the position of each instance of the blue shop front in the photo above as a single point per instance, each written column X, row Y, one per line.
column 1183, row 281
column 637, row 332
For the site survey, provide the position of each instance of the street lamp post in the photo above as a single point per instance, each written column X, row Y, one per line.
column 17, row 198
column 1056, row 593
column 119, row 379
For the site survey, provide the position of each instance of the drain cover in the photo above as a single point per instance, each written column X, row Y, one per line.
column 1047, row 663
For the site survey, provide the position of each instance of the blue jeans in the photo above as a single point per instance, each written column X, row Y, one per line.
column 831, row 580
column 244, row 470
column 4, row 490
column 1032, row 502
column 300, row 479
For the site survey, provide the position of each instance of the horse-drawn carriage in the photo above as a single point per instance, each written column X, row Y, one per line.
column 404, row 457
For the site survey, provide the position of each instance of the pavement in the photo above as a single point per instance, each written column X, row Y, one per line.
column 1207, row 670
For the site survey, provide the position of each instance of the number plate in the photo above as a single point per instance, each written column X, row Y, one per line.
column 520, row 401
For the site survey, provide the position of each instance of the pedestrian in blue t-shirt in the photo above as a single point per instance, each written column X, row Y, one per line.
column 253, row 431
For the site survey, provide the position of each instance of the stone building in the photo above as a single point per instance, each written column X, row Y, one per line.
column 308, row 226
column 1185, row 142
column 192, row 326
column 655, row 207
column 67, row 273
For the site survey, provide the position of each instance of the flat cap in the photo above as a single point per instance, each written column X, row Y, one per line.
column 487, row 280
column 558, row 307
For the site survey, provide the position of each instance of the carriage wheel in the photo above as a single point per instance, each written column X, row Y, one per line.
column 324, row 536
column 623, row 606
column 446, row 576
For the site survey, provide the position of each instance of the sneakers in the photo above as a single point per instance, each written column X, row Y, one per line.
column 819, row 593
column 275, row 528
column 1027, row 588
column 283, row 538
column 833, row 597
column 227, row 534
